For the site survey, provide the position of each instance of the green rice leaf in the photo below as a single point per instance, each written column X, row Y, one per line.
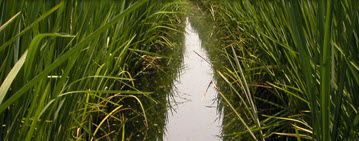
column 42, row 17
column 2, row 27
column 11, row 76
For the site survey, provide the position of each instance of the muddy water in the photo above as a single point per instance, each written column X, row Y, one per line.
column 193, row 116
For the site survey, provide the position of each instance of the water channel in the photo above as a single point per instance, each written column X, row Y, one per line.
column 193, row 116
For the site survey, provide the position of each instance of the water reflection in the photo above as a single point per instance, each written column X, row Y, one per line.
column 194, row 115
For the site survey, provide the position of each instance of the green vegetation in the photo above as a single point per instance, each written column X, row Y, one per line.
column 288, row 69
column 72, row 69
column 102, row 70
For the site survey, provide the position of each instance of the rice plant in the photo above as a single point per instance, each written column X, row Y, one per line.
column 292, row 68
column 69, row 68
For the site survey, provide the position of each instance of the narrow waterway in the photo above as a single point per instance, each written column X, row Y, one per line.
column 193, row 116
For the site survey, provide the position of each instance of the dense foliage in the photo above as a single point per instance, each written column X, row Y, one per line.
column 292, row 68
column 69, row 68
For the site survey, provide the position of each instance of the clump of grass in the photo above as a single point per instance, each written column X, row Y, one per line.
column 292, row 66
column 69, row 68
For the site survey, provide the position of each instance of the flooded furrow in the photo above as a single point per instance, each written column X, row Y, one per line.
column 193, row 115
